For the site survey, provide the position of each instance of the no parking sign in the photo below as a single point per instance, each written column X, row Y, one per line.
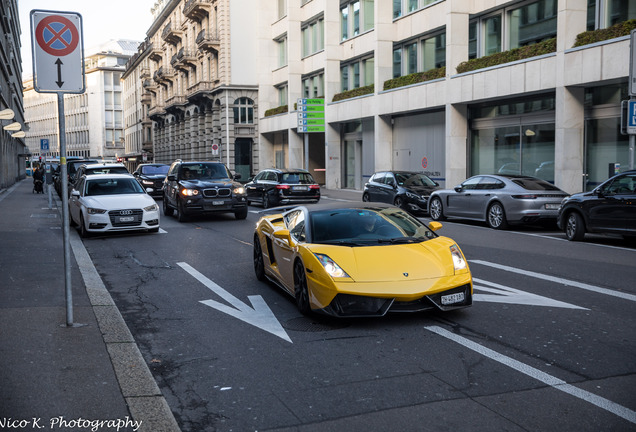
column 58, row 52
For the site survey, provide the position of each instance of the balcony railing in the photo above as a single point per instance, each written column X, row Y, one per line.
column 208, row 41
column 197, row 9
column 170, row 34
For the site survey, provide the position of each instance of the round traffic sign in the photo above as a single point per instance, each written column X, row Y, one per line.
column 57, row 35
column 424, row 162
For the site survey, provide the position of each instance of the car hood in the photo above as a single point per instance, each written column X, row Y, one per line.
column 115, row 202
column 208, row 183
column 430, row 259
column 422, row 190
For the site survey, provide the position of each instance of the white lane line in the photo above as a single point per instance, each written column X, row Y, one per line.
column 554, row 382
column 599, row 290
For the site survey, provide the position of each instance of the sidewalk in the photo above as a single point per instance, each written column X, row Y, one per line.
column 89, row 377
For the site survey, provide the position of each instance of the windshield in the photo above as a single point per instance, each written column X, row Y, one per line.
column 204, row 171
column 367, row 226
column 411, row 179
column 155, row 169
column 297, row 178
column 112, row 186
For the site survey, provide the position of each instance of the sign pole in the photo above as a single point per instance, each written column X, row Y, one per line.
column 65, row 215
column 58, row 67
column 632, row 93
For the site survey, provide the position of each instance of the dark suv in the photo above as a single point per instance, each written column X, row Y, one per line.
column 151, row 176
column 272, row 187
column 202, row 187
column 609, row 208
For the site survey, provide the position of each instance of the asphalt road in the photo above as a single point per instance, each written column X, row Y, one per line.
column 548, row 345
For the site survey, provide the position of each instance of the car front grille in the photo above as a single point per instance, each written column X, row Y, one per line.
column 122, row 218
column 220, row 192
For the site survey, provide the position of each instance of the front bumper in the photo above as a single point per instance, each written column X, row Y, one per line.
column 214, row 205
column 372, row 299
column 106, row 222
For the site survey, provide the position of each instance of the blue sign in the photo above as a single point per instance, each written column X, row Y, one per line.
column 44, row 144
column 631, row 114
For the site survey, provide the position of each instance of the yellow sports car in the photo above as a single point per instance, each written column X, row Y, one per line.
column 361, row 260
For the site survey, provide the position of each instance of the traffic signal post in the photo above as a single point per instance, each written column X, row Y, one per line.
column 58, row 67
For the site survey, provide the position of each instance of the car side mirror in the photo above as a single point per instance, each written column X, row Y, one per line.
column 283, row 234
column 237, row 176
column 172, row 177
column 458, row 189
column 434, row 226
column 75, row 193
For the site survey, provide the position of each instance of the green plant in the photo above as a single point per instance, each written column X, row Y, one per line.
column 415, row 78
column 360, row 91
column 617, row 30
column 540, row 48
column 278, row 110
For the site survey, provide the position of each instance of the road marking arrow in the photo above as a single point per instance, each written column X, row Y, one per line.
column 259, row 314
column 504, row 294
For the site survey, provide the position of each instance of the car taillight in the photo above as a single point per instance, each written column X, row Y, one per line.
column 282, row 186
column 524, row 196
column 314, row 186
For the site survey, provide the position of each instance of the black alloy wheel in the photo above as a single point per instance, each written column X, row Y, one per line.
column 167, row 210
column 259, row 264
column 300, row 288
column 575, row 227
column 181, row 214
column 398, row 201
column 266, row 203
column 82, row 227
column 241, row 214
column 366, row 197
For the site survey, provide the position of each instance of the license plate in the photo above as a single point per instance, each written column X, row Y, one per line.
column 126, row 219
column 300, row 188
column 218, row 202
column 452, row 298
column 552, row 206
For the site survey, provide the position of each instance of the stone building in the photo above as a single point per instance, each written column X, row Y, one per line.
column 198, row 84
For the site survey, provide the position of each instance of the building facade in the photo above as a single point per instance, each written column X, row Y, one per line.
column 13, row 150
column 198, row 84
column 452, row 88
column 94, row 120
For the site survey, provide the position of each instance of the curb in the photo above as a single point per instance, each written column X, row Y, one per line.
column 145, row 401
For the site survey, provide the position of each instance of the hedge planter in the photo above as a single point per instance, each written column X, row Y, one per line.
column 360, row 91
column 415, row 78
column 546, row 47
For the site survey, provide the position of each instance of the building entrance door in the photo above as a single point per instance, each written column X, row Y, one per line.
column 243, row 157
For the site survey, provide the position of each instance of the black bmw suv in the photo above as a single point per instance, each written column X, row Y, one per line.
column 202, row 187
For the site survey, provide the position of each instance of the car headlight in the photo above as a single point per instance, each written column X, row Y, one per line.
column 189, row 192
column 331, row 267
column 239, row 190
column 147, row 182
column 92, row 210
column 150, row 208
column 412, row 195
column 458, row 259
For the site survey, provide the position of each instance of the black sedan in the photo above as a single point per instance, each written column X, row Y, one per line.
column 610, row 208
column 499, row 200
column 151, row 177
column 272, row 187
column 405, row 189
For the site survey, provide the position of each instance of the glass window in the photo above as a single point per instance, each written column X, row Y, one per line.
column 344, row 23
column 369, row 72
column 397, row 62
column 604, row 145
column 282, row 52
column 397, row 8
column 344, row 78
column 412, row 5
column 243, row 111
column 410, row 58
column 356, row 74
column 356, row 18
column 532, row 23
column 492, row 31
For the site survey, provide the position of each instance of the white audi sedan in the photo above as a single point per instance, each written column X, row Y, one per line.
column 112, row 202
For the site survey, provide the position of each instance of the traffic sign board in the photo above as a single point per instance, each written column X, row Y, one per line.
column 44, row 144
column 58, row 52
column 631, row 117
column 311, row 115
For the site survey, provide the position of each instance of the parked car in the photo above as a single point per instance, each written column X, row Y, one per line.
column 98, row 168
column 273, row 187
column 609, row 208
column 360, row 260
column 71, row 169
column 202, row 187
column 404, row 189
column 151, row 176
column 112, row 202
column 500, row 200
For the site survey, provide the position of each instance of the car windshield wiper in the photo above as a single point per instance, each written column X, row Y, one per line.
column 345, row 242
column 400, row 240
